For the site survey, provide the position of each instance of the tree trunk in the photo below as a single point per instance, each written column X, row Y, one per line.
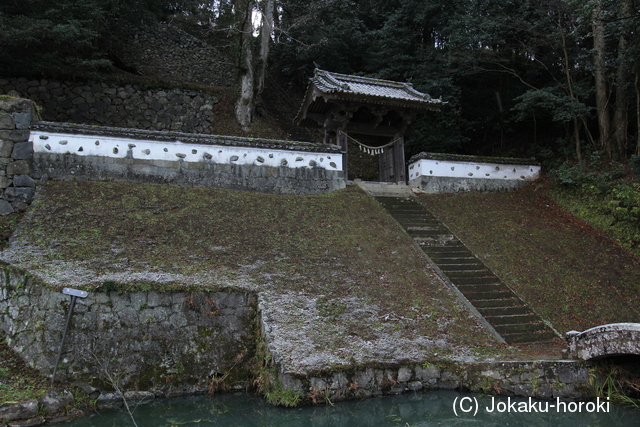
column 246, row 101
column 621, row 115
column 637, row 84
column 265, row 40
column 599, row 47
column 567, row 68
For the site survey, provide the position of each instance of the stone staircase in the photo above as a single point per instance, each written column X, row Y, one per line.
column 501, row 308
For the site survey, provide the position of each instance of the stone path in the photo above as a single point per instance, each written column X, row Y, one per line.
column 504, row 311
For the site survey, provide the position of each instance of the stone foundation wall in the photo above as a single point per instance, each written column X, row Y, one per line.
column 262, row 179
column 444, row 184
column 172, row 342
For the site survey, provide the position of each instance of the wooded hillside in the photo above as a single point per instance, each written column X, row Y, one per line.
column 554, row 79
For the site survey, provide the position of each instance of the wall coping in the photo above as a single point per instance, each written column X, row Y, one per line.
column 193, row 138
column 472, row 159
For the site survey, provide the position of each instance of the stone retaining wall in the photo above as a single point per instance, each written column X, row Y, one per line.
column 168, row 52
column 562, row 379
column 99, row 103
column 17, row 178
column 169, row 342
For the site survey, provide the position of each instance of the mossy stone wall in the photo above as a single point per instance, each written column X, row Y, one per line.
column 171, row 342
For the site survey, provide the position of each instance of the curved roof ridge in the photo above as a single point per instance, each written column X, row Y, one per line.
column 330, row 82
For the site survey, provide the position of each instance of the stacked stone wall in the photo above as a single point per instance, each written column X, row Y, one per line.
column 170, row 342
column 17, row 178
column 167, row 52
column 99, row 103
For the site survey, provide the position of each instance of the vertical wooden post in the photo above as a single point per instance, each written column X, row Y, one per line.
column 344, row 144
column 399, row 164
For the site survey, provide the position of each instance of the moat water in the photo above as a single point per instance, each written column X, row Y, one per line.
column 434, row 408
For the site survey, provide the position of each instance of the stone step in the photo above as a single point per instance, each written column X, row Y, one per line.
column 505, row 311
column 512, row 319
column 430, row 233
column 476, row 281
column 464, row 274
column 405, row 218
column 528, row 337
column 521, row 327
column 461, row 268
column 492, row 287
column 487, row 295
column 429, row 241
column 434, row 226
column 498, row 303
column 457, row 261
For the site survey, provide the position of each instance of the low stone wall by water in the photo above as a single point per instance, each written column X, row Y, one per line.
column 563, row 379
column 169, row 342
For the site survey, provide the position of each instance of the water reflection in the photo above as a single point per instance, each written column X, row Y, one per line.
column 418, row 409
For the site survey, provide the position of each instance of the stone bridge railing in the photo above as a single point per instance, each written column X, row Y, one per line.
column 602, row 341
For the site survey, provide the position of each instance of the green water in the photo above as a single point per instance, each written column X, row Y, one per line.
column 416, row 409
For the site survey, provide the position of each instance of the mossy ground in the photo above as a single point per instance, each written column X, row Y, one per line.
column 339, row 245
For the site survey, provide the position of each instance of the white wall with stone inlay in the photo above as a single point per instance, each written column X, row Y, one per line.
column 119, row 147
column 459, row 169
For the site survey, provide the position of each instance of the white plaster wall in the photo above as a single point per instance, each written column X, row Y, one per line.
column 87, row 145
column 457, row 169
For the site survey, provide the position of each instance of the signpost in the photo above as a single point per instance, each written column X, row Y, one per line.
column 74, row 293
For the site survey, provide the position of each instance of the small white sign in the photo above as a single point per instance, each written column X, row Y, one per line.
column 75, row 292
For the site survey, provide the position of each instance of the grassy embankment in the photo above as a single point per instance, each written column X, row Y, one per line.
column 338, row 245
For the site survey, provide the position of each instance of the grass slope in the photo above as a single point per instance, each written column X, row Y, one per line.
column 332, row 248
column 572, row 274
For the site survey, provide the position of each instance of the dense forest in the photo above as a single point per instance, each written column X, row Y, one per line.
column 554, row 79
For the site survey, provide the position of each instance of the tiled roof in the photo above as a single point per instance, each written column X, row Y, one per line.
column 328, row 82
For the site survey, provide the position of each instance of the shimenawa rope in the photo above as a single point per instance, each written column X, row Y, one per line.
column 373, row 151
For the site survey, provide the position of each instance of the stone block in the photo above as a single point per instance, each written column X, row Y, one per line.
column 22, row 151
column 14, row 135
column 19, row 194
column 19, row 167
column 19, row 206
column 21, row 181
column 23, row 120
column 5, row 182
column 17, row 411
column 6, row 122
column 55, row 400
column 6, row 148
column 404, row 374
column 5, row 207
